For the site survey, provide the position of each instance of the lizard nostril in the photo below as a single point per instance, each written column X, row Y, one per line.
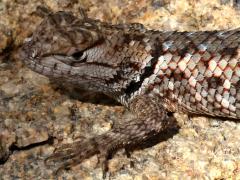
column 169, row 114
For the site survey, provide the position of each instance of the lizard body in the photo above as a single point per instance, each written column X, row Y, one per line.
column 153, row 73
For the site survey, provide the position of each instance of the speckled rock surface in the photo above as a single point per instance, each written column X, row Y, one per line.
column 37, row 115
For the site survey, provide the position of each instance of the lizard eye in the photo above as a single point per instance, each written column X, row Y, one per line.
column 77, row 55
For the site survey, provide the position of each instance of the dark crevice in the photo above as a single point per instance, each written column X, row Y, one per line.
column 6, row 54
column 13, row 148
column 49, row 141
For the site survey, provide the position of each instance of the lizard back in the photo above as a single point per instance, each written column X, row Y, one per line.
column 195, row 72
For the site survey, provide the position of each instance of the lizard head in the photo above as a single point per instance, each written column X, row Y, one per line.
column 89, row 53
column 60, row 35
column 59, row 45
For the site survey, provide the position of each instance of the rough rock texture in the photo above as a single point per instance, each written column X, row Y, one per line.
column 37, row 115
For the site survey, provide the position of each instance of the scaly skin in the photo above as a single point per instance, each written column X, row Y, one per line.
column 153, row 73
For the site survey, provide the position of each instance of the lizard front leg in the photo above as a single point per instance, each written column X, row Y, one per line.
column 151, row 118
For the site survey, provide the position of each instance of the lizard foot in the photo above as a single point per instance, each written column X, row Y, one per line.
column 151, row 118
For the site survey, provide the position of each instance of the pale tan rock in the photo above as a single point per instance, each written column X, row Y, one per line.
column 32, row 111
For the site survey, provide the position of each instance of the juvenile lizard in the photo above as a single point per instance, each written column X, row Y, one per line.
column 152, row 73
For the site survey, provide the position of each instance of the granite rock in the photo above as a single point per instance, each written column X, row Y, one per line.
column 37, row 115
